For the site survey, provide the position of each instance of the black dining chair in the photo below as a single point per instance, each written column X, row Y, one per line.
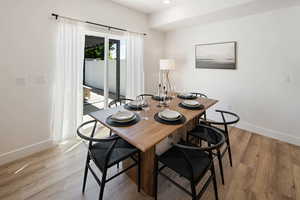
column 200, row 135
column 191, row 163
column 198, row 94
column 201, row 95
column 105, row 153
column 118, row 102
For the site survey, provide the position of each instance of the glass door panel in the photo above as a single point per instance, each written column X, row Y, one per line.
column 116, row 69
column 93, row 74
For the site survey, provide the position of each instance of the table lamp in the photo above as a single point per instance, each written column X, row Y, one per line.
column 166, row 65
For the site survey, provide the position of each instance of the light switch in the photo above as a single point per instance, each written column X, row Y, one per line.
column 20, row 82
column 40, row 80
column 288, row 78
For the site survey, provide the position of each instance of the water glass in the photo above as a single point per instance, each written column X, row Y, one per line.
column 146, row 108
column 139, row 101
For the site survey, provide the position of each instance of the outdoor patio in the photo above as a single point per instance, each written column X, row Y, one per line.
column 94, row 99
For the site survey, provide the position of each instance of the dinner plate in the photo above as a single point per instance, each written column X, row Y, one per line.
column 191, row 103
column 135, row 104
column 123, row 116
column 125, row 120
column 186, row 94
column 170, row 115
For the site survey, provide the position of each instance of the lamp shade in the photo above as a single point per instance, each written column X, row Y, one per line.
column 167, row 64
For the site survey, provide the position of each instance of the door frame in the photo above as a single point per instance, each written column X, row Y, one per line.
column 107, row 37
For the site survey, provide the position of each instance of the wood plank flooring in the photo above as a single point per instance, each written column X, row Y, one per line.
column 264, row 169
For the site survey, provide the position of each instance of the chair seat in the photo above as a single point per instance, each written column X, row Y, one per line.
column 210, row 137
column 121, row 151
column 176, row 161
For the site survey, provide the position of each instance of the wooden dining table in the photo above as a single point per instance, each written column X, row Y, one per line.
column 146, row 134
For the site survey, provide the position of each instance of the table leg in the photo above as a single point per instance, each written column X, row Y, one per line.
column 147, row 171
column 148, row 163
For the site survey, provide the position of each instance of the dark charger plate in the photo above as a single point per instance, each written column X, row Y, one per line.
column 111, row 122
column 200, row 107
column 134, row 108
column 158, row 98
column 179, row 121
column 187, row 97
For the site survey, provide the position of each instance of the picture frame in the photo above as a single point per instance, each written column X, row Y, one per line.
column 221, row 55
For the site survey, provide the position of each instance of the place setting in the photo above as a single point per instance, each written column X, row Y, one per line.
column 136, row 105
column 189, row 96
column 162, row 94
column 161, row 98
column 169, row 117
column 123, row 118
column 191, row 105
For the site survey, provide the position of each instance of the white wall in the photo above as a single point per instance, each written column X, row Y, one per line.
column 27, row 38
column 156, row 49
column 94, row 72
column 265, row 89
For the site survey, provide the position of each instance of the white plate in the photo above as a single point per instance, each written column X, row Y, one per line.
column 136, row 103
column 191, row 103
column 123, row 116
column 170, row 120
column 169, row 114
column 124, row 121
column 186, row 94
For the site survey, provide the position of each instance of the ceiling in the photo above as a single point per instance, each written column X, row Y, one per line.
column 181, row 13
column 149, row 6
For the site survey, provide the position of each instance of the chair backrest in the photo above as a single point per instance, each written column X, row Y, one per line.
column 225, row 122
column 113, row 139
column 198, row 94
column 118, row 102
column 231, row 114
column 213, row 132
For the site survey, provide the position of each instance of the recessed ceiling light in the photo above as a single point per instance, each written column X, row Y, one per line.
column 167, row 1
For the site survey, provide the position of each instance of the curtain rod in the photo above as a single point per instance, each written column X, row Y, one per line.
column 92, row 23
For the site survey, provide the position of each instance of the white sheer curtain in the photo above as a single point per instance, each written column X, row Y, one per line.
column 67, row 88
column 135, row 65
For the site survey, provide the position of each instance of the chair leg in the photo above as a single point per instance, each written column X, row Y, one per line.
column 85, row 173
column 193, row 188
column 155, row 178
column 229, row 151
column 139, row 172
column 110, row 132
column 102, row 185
column 220, row 165
column 214, row 181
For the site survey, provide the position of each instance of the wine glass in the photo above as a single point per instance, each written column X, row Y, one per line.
column 168, row 98
column 146, row 108
column 139, row 103
column 173, row 93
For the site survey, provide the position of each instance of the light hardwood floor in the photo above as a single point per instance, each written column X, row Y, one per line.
column 264, row 169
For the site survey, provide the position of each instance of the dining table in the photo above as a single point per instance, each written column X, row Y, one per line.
column 148, row 133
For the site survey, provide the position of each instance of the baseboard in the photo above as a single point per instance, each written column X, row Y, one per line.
column 25, row 151
column 285, row 137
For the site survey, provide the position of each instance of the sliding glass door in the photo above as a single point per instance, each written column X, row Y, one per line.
column 116, row 69
column 104, row 71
